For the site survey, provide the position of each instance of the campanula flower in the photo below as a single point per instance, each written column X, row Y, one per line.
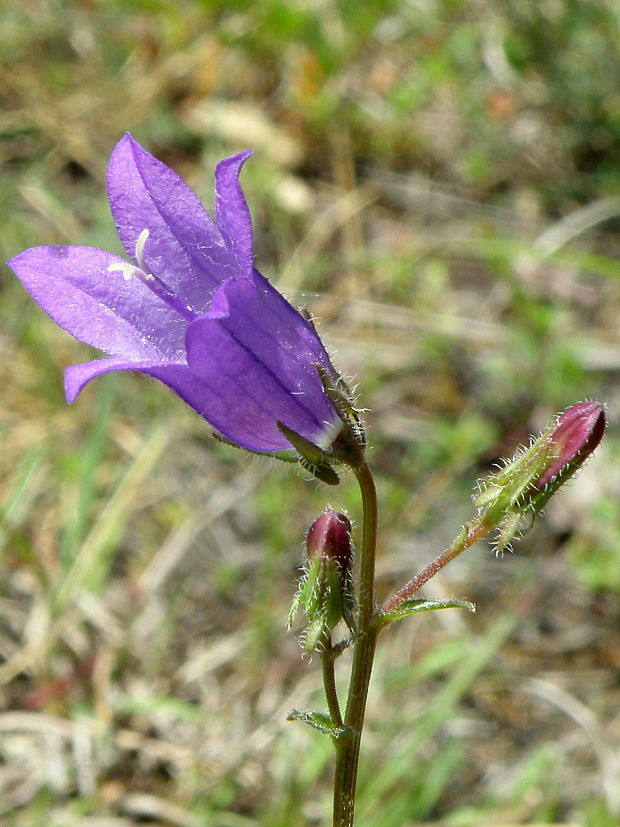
column 188, row 307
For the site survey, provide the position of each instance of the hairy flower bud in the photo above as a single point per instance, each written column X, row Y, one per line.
column 526, row 483
column 325, row 593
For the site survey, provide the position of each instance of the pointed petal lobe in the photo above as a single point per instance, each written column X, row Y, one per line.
column 100, row 307
column 78, row 376
column 184, row 247
column 231, row 210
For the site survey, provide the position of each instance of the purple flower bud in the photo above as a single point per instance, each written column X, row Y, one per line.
column 574, row 437
column 329, row 538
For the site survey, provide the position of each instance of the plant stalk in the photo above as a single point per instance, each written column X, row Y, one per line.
column 348, row 746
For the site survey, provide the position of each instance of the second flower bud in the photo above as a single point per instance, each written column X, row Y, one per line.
column 325, row 593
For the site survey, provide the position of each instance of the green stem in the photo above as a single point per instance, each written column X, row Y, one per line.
column 329, row 678
column 348, row 747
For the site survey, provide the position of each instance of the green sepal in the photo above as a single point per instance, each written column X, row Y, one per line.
column 313, row 458
column 307, row 593
column 323, row 472
column 283, row 456
column 323, row 600
column 321, row 721
column 413, row 606
column 508, row 529
column 333, row 595
column 340, row 395
column 505, row 487
column 313, row 632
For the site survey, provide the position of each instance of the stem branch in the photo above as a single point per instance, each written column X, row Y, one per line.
column 329, row 678
column 469, row 534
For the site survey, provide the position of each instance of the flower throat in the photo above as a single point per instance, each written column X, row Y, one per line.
column 154, row 284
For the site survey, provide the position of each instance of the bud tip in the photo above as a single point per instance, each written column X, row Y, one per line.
column 329, row 538
column 575, row 435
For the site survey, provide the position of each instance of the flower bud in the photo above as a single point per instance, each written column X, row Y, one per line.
column 526, row 483
column 325, row 593
column 329, row 538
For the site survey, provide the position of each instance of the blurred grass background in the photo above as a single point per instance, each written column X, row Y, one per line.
column 439, row 181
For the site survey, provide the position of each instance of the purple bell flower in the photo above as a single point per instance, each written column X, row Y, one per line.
column 188, row 308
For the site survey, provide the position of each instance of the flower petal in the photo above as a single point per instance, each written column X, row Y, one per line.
column 231, row 210
column 225, row 403
column 256, row 355
column 78, row 376
column 100, row 307
column 280, row 335
column 184, row 248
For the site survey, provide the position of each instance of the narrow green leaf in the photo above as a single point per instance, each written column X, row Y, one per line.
column 318, row 720
column 413, row 606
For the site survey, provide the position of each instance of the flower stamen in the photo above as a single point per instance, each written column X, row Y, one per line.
column 127, row 269
column 155, row 285
column 140, row 244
